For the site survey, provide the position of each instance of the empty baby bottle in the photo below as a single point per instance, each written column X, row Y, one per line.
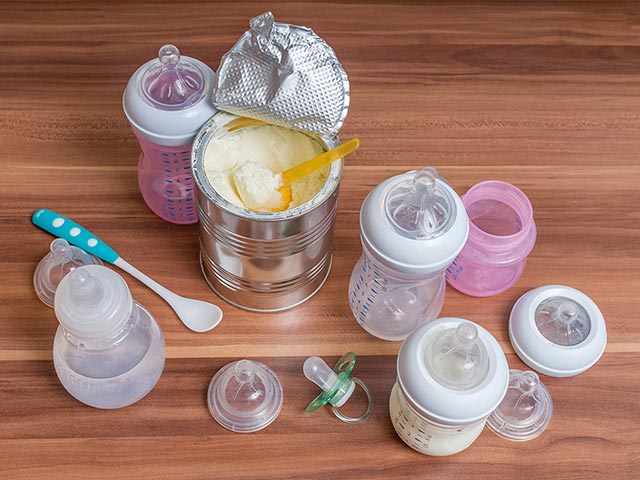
column 61, row 259
column 166, row 101
column 452, row 374
column 501, row 235
column 412, row 226
column 108, row 350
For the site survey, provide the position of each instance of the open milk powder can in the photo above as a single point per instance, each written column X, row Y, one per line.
column 289, row 80
column 452, row 374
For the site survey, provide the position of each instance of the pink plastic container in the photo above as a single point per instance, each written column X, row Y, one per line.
column 501, row 235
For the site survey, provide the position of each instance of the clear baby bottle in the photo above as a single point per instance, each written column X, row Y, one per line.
column 501, row 236
column 166, row 101
column 108, row 350
column 412, row 226
column 452, row 374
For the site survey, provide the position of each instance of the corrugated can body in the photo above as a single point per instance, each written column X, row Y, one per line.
column 263, row 261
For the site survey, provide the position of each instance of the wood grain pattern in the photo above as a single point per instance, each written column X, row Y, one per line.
column 544, row 95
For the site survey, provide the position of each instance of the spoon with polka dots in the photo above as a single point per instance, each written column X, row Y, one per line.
column 197, row 315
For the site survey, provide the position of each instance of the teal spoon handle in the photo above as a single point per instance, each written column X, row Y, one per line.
column 73, row 233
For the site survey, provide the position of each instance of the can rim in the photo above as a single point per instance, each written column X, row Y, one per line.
column 204, row 135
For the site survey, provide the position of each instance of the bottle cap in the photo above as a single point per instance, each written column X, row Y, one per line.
column 93, row 303
column 414, row 222
column 557, row 330
column 526, row 409
column 245, row 396
column 453, row 371
column 168, row 99
column 336, row 386
column 61, row 259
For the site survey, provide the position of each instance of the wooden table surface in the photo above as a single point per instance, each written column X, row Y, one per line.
column 545, row 96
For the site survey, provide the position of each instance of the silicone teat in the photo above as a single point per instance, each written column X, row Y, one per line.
column 173, row 83
column 245, row 396
column 526, row 409
column 457, row 358
column 420, row 208
column 336, row 385
column 562, row 321
column 61, row 259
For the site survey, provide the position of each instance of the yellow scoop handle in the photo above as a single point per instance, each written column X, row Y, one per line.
column 294, row 174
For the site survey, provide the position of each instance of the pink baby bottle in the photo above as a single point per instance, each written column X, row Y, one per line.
column 501, row 236
column 166, row 101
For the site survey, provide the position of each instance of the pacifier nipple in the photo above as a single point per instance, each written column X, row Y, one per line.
column 526, row 409
column 457, row 358
column 245, row 396
column 336, row 385
column 419, row 208
column 173, row 83
column 563, row 321
column 61, row 259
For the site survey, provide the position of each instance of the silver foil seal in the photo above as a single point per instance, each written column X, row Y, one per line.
column 285, row 75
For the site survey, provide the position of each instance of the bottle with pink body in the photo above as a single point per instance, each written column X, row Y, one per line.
column 166, row 101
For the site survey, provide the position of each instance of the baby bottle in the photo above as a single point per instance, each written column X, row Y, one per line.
column 452, row 374
column 412, row 226
column 501, row 236
column 166, row 101
column 108, row 350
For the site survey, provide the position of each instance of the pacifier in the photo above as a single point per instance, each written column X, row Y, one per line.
column 337, row 386
column 245, row 396
column 62, row 259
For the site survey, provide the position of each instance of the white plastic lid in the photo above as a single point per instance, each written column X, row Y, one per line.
column 557, row 330
column 453, row 371
column 245, row 396
column 61, row 259
column 168, row 99
column 93, row 303
column 526, row 409
column 414, row 222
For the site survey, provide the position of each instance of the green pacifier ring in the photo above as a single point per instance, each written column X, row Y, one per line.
column 342, row 369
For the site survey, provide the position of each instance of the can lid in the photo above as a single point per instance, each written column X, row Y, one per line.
column 525, row 411
column 557, row 330
column 452, row 371
column 414, row 222
column 284, row 75
column 167, row 99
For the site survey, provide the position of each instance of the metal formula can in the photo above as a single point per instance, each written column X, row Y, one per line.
column 263, row 261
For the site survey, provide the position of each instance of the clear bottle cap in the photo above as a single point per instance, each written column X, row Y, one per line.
column 525, row 411
column 457, row 358
column 420, row 209
column 93, row 303
column 61, row 259
column 245, row 396
column 562, row 321
column 173, row 83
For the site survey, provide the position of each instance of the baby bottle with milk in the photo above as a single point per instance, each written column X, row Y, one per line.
column 452, row 374
column 166, row 101
column 108, row 350
column 412, row 226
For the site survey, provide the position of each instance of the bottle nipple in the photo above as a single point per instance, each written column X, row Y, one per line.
column 84, row 290
column 245, row 396
column 457, row 358
column 526, row 409
column 419, row 208
column 173, row 83
column 336, row 385
column 61, row 259
column 562, row 321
